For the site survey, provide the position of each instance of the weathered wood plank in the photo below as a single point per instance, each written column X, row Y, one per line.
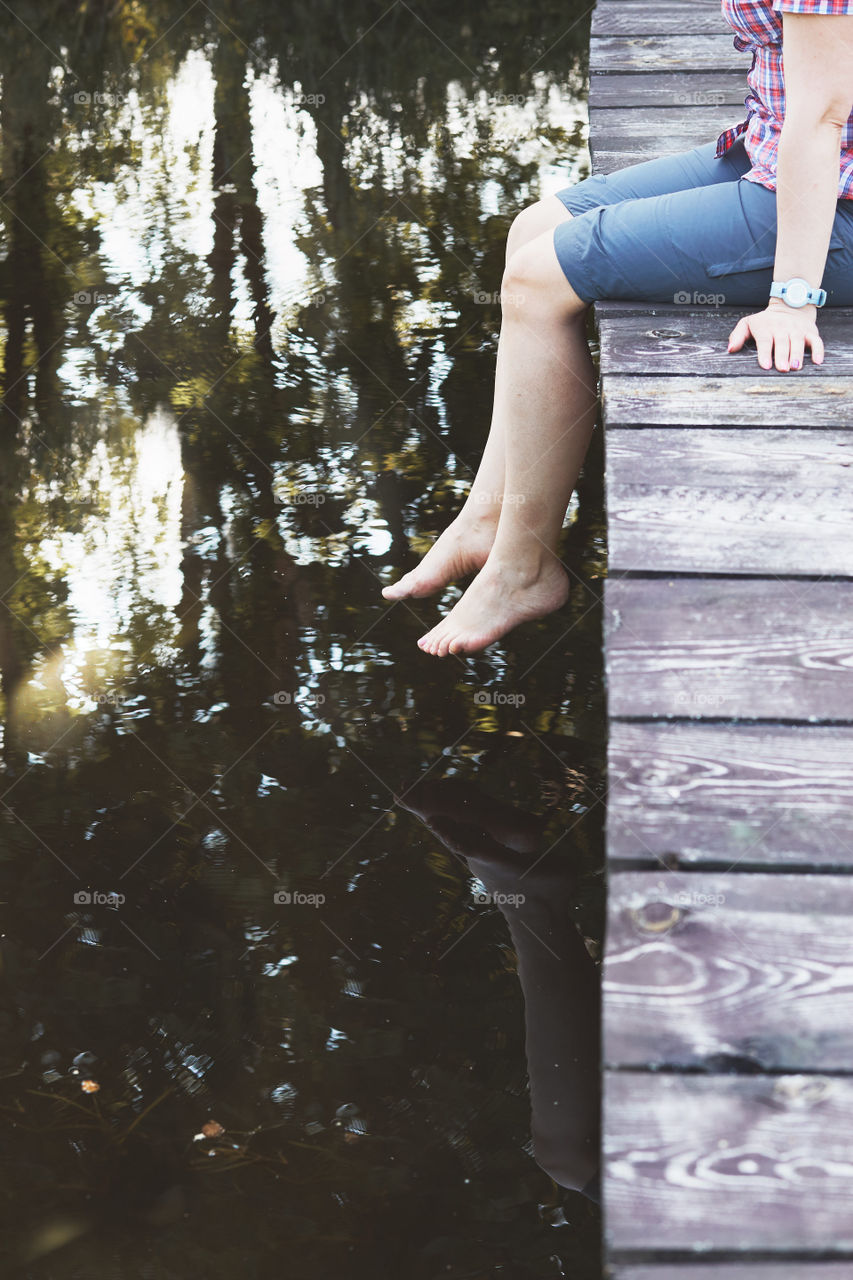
column 673, row 313
column 729, row 971
column 758, row 974
column 662, row 122
column 754, row 401
column 692, row 794
column 664, row 18
column 726, row 648
column 728, row 1163
column 605, row 162
column 666, row 89
column 666, row 53
column 666, row 131
column 696, row 342
column 764, row 501
column 736, row 1271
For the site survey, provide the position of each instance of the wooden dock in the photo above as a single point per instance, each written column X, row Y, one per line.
column 728, row 985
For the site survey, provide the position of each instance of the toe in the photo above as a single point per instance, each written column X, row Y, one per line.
column 444, row 642
column 437, row 640
column 396, row 589
column 460, row 644
column 469, row 643
column 435, row 645
column 427, row 641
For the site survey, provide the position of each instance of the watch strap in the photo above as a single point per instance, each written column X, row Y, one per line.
column 779, row 288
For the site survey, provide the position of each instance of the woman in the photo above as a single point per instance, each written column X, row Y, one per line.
column 704, row 221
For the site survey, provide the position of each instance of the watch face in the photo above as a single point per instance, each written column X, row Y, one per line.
column 797, row 292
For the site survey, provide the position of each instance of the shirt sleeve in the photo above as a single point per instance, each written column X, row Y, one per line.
column 813, row 6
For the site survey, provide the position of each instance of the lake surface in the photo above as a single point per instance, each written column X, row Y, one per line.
column 269, row 872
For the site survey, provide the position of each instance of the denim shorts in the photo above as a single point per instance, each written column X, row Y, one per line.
column 685, row 228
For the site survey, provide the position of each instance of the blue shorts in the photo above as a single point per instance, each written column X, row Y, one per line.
column 685, row 228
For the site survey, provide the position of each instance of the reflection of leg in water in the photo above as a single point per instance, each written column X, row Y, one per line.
column 558, row 977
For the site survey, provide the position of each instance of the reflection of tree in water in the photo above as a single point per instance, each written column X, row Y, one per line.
column 201, row 998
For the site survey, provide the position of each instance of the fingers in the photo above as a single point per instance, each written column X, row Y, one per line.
column 815, row 341
column 738, row 335
column 782, row 343
column 798, row 347
column 777, row 344
column 764, row 344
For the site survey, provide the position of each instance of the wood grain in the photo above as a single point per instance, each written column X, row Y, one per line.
column 605, row 162
column 666, row 53
column 656, row 132
column 695, row 342
column 705, row 1163
column 729, row 648
column 752, row 401
column 690, row 794
column 736, row 1271
column 662, row 122
column 715, row 468
column 740, row 971
column 673, row 313
column 770, row 501
column 666, row 17
column 625, row 90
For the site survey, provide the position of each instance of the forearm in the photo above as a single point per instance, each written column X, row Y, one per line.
column 807, row 192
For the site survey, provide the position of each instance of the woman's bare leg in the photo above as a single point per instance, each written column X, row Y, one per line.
column 464, row 546
column 546, row 399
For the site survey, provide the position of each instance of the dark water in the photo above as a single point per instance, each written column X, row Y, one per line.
column 249, row 259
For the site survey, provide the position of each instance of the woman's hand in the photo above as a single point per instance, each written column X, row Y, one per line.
column 783, row 332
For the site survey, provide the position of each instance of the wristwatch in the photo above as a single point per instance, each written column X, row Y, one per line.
column 797, row 292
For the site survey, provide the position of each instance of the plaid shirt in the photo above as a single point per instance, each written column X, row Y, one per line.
column 758, row 26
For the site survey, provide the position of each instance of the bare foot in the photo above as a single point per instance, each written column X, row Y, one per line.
column 463, row 548
column 501, row 597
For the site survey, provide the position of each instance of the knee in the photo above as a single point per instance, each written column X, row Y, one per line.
column 516, row 278
column 534, row 284
column 569, row 1163
column 525, row 226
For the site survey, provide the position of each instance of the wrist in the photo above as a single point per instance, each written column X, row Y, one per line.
column 779, row 304
column 797, row 293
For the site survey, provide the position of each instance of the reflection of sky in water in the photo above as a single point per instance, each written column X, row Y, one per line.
column 125, row 553
column 129, row 551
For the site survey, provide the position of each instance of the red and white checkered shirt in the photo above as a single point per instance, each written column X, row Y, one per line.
column 758, row 26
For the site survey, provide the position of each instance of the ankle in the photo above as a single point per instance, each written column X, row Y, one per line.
column 481, row 509
column 524, row 564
